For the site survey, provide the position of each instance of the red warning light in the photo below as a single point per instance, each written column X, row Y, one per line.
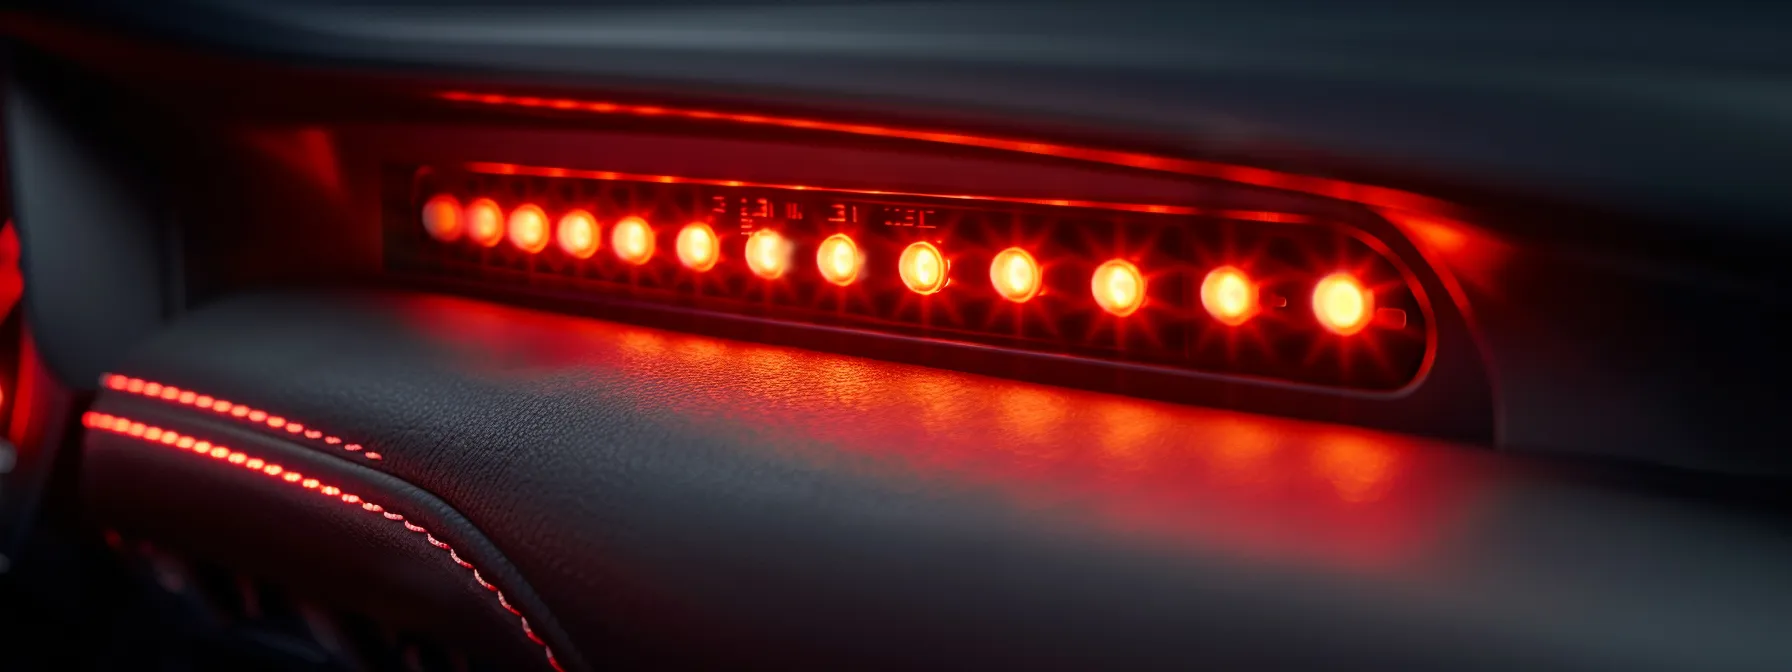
column 698, row 248
column 1229, row 296
column 1015, row 275
column 1119, row 287
column 839, row 259
column 485, row 222
column 529, row 229
column 633, row 240
column 441, row 218
column 768, row 254
column 923, row 268
column 577, row 234
column 1342, row 304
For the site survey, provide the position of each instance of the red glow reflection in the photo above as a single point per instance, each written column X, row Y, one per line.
column 490, row 168
column 1377, row 196
column 1235, row 482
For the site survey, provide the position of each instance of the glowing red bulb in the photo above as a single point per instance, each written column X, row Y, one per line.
column 698, row 248
column 529, row 229
column 1229, row 296
column 1119, row 287
column 768, row 254
column 839, row 259
column 1342, row 304
column 577, row 234
column 633, row 240
column 923, row 268
column 485, row 222
column 1015, row 274
column 442, row 218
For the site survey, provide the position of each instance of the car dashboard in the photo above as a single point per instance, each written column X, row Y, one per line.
column 891, row 335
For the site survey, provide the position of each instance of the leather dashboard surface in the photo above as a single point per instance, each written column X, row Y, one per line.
column 681, row 498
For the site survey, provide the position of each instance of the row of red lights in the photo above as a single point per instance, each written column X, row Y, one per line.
column 1342, row 304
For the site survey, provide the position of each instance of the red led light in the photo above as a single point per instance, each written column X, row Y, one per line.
column 1342, row 304
column 698, row 248
column 1229, row 296
column 923, row 268
column 633, row 240
column 485, row 222
column 1015, row 274
column 1119, row 287
column 529, row 229
column 768, row 254
column 578, row 234
column 839, row 259
column 442, row 218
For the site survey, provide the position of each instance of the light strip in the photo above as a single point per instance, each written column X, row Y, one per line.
column 491, row 168
column 1319, row 186
column 154, row 390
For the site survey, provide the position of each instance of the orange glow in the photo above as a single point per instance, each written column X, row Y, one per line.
column 441, row 218
column 1342, row 304
column 1015, row 274
column 485, row 222
column 633, row 240
column 698, row 248
column 1360, row 470
column 1119, row 287
column 839, row 259
column 1229, row 296
column 577, row 234
column 768, row 254
column 529, row 229
column 923, row 268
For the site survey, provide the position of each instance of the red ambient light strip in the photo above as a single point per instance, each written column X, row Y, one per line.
column 490, row 168
column 192, row 446
column 1319, row 186
column 154, row 390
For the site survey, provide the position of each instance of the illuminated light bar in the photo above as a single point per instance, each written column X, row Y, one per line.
column 768, row 254
column 633, row 240
column 698, row 248
column 529, row 229
column 441, row 218
column 577, row 234
column 1015, row 275
column 1229, row 296
column 1166, row 285
column 839, row 259
column 923, row 268
column 1342, row 304
column 485, row 222
column 1118, row 287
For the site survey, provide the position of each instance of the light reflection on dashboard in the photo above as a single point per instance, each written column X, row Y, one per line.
column 1208, row 480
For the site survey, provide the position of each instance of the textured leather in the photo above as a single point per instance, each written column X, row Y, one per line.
column 336, row 550
column 687, row 499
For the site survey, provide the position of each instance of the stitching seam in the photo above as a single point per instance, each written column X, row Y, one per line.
column 193, row 446
column 154, row 390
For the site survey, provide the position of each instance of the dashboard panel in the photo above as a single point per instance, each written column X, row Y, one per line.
column 796, row 348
